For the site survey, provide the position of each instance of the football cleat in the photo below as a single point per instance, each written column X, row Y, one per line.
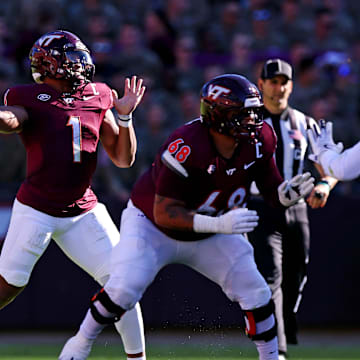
column 76, row 348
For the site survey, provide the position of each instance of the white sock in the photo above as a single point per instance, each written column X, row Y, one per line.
column 131, row 329
column 268, row 350
column 90, row 328
column 134, row 332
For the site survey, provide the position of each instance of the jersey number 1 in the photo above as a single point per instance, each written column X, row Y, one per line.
column 75, row 123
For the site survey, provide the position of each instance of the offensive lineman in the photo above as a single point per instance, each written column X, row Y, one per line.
column 189, row 208
column 60, row 121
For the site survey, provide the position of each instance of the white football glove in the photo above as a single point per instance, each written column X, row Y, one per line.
column 291, row 191
column 237, row 221
column 322, row 141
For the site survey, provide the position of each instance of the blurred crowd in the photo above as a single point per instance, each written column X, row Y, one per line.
column 176, row 46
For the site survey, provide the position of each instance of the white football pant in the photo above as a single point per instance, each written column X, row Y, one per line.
column 87, row 239
column 143, row 250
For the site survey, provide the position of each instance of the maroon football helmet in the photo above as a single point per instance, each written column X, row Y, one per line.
column 61, row 55
column 232, row 105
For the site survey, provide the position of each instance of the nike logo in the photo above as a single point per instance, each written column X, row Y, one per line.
column 246, row 166
column 88, row 97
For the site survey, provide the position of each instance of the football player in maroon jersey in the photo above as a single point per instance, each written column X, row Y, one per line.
column 60, row 120
column 190, row 208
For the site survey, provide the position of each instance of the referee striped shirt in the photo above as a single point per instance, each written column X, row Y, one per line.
column 292, row 143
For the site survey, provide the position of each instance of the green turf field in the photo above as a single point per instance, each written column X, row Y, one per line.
column 102, row 352
column 183, row 345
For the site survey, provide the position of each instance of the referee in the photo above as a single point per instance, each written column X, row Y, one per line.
column 281, row 241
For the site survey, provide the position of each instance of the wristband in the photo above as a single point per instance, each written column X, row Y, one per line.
column 324, row 182
column 124, row 120
column 205, row 224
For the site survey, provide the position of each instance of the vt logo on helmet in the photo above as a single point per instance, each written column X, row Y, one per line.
column 61, row 55
column 232, row 105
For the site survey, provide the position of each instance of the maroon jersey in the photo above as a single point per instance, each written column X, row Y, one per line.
column 208, row 183
column 60, row 137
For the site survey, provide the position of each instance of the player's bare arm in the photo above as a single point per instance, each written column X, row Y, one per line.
column 172, row 214
column 119, row 142
column 118, row 137
column 12, row 119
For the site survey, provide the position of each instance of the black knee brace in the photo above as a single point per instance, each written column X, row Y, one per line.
column 109, row 305
column 257, row 315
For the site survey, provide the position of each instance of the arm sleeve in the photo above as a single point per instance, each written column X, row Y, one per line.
column 344, row 166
